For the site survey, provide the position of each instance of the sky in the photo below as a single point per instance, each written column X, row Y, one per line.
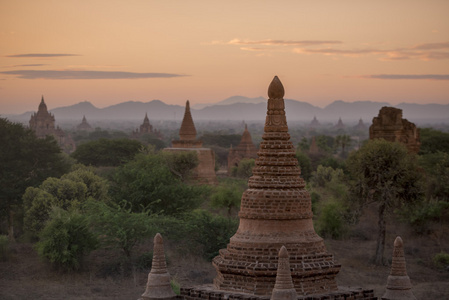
column 108, row 51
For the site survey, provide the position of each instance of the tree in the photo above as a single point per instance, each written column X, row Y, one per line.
column 118, row 227
column 25, row 161
column 181, row 164
column 305, row 164
column 147, row 183
column 433, row 141
column 71, row 191
column 228, row 194
column 107, row 152
column 343, row 141
column 384, row 172
column 244, row 169
column 66, row 239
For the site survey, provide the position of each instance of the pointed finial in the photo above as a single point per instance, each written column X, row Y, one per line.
column 398, row 283
column 158, row 284
column 284, row 288
column 42, row 99
column 276, row 120
column 276, row 89
column 246, row 126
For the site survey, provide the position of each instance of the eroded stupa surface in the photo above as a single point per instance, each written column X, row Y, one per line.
column 275, row 211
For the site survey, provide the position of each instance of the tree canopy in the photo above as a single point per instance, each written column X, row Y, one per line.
column 25, row 160
column 147, row 183
column 386, row 173
column 107, row 152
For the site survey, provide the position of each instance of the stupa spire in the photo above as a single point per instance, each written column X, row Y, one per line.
column 187, row 132
column 398, row 283
column 284, row 288
column 158, row 284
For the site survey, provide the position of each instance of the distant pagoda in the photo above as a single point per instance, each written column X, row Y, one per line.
column 245, row 149
column 84, row 126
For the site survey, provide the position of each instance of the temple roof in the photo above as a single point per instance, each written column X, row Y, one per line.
column 187, row 132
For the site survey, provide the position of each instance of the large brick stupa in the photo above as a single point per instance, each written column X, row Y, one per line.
column 275, row 211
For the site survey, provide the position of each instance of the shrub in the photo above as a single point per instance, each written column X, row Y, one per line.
column 331, row 222
column 441, row 259
column 65, row 239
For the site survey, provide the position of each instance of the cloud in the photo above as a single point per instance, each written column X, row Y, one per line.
column 413, row 76
column 71, row 74
column 280, row 42
column 28, row 65
column 42, row 55
column 426, row 52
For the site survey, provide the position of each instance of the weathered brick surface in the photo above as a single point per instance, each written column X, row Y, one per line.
column 207, row 292
column 275, row 211
column 389, row 125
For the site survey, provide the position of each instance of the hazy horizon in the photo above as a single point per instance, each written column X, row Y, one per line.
column 109, row 52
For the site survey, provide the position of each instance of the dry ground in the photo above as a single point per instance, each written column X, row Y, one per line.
column 24, row 276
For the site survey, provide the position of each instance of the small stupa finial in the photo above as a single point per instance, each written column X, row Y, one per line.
column 158, row 284
column 284, row 288
column 398, row 283
column 276, row 120
column 276, row 89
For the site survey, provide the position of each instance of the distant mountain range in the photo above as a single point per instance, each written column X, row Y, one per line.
column 238, row 108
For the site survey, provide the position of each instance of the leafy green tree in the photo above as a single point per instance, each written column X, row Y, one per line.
column 68, row 192
column 66, row 239
column 148, row 183
column 206, row 233
column 305, row 164
column 228, row 195
column 304, row 145
column 385, row 173
column 343, row 141
column 107, row 152
column 433, row 141
column 116, row 226
column 244, row 169
column 325, row 143
column 25, row 161
column 181, row 164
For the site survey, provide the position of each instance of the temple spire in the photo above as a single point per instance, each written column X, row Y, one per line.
column 398, row 283
column 187, row 132
column 158, row 285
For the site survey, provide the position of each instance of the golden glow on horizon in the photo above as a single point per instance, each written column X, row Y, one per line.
column 321, row 50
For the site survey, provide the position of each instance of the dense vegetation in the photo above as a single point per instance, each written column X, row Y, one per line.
column 122, row 191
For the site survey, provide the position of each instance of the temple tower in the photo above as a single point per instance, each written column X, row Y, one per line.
column 390, row 126
column 275, row 211
column 146, row 127
column 205, row 171
column 245, row 149
column 42, row 122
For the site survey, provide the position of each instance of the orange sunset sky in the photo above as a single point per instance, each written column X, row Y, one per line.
column 108, row 51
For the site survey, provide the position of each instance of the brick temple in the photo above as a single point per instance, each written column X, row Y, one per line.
column 390, row 126
column 245, row 149
column 205, row 171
